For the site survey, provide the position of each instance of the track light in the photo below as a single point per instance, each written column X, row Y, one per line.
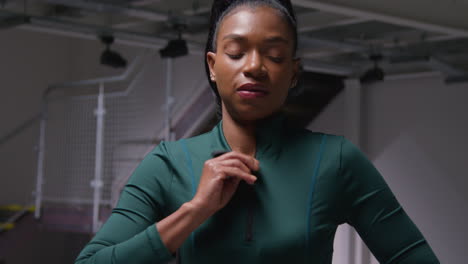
column 375, row 73
column 175, row 47
column 109, row 57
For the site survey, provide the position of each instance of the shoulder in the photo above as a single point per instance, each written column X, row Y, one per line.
column 203, row 140
column 175, row 150
column 340, row 145
column 304, row 136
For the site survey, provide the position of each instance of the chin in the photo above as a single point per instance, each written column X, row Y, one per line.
column 252, row 114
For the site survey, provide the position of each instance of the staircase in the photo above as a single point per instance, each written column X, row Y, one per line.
column 29, row 241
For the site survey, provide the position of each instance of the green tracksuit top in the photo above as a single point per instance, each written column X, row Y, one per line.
column 308, row 184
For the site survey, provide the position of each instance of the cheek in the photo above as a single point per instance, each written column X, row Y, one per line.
column 282, row 78
column 227, row 74
column 223, row 71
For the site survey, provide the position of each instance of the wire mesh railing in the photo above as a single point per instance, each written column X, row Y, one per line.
column 91, row 142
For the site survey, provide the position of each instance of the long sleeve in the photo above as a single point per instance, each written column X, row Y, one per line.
column 372, row 209
column 130, row 234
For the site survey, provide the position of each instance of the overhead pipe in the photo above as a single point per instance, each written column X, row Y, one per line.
column 327, row 68
column 445, row 68
column 86, row 31
column 342, row 45
column 350, row 11
column 120, row 9
column 340, row 22
column 112, row 8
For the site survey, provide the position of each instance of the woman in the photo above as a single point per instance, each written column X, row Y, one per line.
column 252, row 190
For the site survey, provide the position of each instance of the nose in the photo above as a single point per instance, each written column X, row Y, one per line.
column 254, row 66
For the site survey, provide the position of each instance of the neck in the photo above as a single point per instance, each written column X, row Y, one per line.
column 240, row 136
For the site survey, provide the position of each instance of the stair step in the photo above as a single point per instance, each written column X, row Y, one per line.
column 71, row 218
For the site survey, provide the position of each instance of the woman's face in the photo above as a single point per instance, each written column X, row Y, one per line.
column 253, row 66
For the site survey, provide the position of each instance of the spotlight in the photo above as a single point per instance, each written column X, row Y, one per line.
column 175, row 48
column 109, row 57
column 374, row 74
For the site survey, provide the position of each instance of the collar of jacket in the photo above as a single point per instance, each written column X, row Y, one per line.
column 268, row 136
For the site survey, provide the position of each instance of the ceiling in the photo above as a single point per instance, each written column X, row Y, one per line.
column 339, row 37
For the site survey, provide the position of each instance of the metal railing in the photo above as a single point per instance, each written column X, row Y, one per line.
column 100, row 96
column 100, row 113
column 107, row 154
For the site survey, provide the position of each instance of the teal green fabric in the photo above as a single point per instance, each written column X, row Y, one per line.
column 308, row 184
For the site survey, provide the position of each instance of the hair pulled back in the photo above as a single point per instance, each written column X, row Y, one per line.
column 221, row 8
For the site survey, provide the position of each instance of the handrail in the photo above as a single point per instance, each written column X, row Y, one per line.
column 29, row 122
column 23, row 126
column 117, row 78
column 100, row 112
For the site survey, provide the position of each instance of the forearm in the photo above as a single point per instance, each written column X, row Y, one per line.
column 118, row 243
column 175, row 228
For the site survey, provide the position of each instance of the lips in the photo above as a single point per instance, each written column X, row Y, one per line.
column 252, row 90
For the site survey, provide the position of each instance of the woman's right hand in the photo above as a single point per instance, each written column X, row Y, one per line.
column 218, row 183
column 220, row 178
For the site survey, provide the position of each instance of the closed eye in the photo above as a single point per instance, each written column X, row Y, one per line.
column 235, row 56
column 276, row 59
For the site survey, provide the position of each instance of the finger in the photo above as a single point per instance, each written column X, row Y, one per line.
column 251, row 162
column 238, row 173
column 218, row 153
column 236, row 163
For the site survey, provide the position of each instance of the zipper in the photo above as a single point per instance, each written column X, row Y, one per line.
column 250, row 193
column 250, row 214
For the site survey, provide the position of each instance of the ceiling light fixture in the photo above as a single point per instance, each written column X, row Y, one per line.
column 176, row 47
column 110, row 57
column 375, row 73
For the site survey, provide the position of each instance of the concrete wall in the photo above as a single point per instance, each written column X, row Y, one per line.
column 414, row 130
column 29, row 62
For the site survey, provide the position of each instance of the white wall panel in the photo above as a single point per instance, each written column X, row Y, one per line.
column 414, row 130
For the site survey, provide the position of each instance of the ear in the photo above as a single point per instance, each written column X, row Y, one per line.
column 211, row 60
column 296, row 71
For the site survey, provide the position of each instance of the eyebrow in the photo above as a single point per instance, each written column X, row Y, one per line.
column 277, row 39
column 234, row 37
column 271, row 40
